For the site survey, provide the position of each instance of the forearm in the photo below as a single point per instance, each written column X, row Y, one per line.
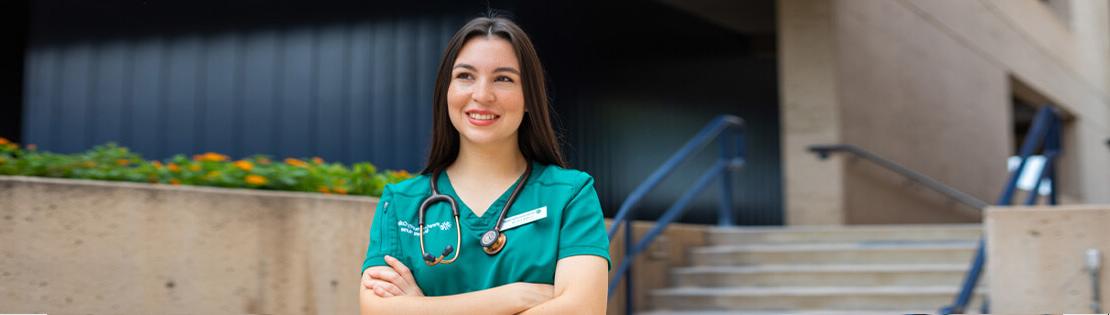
column 488, row 301
column 569, row 304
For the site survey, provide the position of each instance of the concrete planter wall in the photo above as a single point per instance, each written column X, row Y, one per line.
column 81, row 247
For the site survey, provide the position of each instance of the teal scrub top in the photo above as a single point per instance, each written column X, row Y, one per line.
column 574, row 225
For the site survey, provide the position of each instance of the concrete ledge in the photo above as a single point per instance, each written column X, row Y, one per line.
column 1036, row 256
column 81, row 246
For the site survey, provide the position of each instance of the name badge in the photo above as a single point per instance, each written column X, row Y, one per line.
column 524, row 218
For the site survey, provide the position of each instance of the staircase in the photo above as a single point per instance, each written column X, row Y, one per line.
column 873, row 269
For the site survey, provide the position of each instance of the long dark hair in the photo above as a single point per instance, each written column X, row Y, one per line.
column 536, row 136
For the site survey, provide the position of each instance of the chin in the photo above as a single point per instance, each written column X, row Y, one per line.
column 482, row 138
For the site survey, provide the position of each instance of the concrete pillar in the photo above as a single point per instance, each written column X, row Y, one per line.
column 808, row 87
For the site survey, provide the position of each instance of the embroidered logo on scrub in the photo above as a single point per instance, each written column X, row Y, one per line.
column 409, row 228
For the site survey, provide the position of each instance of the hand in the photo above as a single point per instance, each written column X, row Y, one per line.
column 395, row 280
column 531, row 294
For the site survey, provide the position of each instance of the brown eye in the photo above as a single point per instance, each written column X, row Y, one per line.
column 464, row 76
column 504, row 79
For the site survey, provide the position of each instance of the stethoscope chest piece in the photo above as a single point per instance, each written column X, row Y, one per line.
column 493, row 242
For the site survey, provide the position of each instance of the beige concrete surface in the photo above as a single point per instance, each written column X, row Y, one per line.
column 814, row 192
column 928, row 84
column 90, row 247
column 1036, row 258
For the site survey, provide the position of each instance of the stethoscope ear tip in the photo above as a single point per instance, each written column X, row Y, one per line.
column 429, row 258
column 447, row 250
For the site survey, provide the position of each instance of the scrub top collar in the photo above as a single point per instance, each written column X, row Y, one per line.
column 489, row 217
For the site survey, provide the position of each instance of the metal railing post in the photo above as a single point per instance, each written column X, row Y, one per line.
column 628, row 255
column 724, row 219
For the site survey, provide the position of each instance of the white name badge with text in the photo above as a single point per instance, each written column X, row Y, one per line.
column 524, row 218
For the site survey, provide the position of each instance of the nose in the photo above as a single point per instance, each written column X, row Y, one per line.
column 483, row 93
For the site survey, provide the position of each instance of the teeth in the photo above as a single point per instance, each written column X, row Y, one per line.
column 481, row 117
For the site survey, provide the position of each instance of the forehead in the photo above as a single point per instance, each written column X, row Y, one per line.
column 488, row 52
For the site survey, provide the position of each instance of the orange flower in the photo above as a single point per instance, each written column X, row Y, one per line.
column 264, row 161
column 317, row 160
column 403, row 173
column 244, row 165
column 173, row 167
column 295, row 162
column 323, row 189
column 4, row 141
column 341, row 191
column 210, row 157
column 255, row 180
column 194, row 167
column 157, row 164
column 122, row 162
column 174, row 181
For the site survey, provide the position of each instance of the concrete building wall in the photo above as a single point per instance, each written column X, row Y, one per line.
column 928, row 84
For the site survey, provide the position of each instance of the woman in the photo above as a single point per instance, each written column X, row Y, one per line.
column 529, row 236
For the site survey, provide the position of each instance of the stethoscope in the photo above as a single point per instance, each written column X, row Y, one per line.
column 492, row 241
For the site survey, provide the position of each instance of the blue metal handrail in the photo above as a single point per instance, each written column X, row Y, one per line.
column 728, row 130
column 1046, row 131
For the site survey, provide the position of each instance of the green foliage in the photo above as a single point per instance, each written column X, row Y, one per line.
column 115, row 163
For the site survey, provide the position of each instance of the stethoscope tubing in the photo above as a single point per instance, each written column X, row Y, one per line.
column 489, row 238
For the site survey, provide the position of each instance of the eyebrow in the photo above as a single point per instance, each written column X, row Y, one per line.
column 499, row 69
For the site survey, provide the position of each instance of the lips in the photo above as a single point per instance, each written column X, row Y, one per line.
column 481, row 117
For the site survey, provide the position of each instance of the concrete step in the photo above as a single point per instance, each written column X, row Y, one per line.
column 840, row 234
column 870, row 252
column 805, row 298
column 821, row 275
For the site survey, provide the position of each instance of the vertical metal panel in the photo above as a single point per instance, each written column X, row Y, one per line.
column 260, row 98
column 145, row 98
column 297, row 75
column 218, row 113
column 380, row 91
column 358, row 92
column 69, row 119
column 40, row 99
column 181, row 100
column 359, row 97
column 329, row 92
column 400, row 84
column 108, row 82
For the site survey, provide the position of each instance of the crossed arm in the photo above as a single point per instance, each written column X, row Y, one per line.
column 580, row 287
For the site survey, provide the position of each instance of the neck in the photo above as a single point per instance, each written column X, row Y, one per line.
column 500, row 160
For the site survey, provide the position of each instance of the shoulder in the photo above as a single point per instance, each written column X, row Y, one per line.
column 417, row 186
column 554, row 175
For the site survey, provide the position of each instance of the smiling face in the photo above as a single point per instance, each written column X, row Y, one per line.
column 485, row 98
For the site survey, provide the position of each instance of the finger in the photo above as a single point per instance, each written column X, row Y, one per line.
column 381, row 292
column 400, row 268
column 392, row 277
column 367, row 279
column 390, row 288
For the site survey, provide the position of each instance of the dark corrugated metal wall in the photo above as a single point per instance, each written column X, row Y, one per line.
column 357, row 91
column 353, row 82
